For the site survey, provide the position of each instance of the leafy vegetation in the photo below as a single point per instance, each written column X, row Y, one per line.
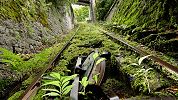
column 146, row 13
column 33, row 65
column 103, row 7
column 88, row 38
column 59, row 81
column 143, row 78
column 81, row 14
column 143, row 73
column 84, row 83
column 24, row 11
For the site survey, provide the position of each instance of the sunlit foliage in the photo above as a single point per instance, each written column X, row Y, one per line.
column 82, row 13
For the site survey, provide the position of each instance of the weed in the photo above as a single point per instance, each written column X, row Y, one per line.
column 142, row 73
column 59, row 81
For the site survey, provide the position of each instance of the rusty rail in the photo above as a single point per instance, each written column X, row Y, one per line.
column 144, row 53
column 35, row 83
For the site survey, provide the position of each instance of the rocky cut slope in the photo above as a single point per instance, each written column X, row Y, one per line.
column 28, row 26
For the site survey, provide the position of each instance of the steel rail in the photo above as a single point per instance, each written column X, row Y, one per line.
column 144, row 53
column 34, row 85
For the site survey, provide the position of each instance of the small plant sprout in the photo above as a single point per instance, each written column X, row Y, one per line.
column 95, row 78
column 59, row 81
column 84, row 82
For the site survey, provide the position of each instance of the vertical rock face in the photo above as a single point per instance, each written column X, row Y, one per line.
column 31, row 38
column 147, row 13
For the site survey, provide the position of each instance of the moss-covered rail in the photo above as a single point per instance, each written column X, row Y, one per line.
column 144, row 53
column 33, row 87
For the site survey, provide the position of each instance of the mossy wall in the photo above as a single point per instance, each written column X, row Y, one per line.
column 28, row 26
column 147, row 13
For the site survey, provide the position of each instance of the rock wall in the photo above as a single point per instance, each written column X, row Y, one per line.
column 34, row 37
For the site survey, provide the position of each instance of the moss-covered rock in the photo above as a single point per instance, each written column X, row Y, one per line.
column 150, row 13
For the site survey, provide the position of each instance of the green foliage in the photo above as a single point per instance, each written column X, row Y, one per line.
column 103, row 7
column 59, row 81
column 11, row 59
column 112, row 83
column 146, row 13
column 16, row 62
column 82, row 13
column 16, row 95
column 142, row 75
column 84, row 82
column 33, row 65
column 87, row 38
column 95, row 78
column 24, row 11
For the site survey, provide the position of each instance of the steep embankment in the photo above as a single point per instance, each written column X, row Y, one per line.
column 153, row 23
column 28, row 26
column 147, row 13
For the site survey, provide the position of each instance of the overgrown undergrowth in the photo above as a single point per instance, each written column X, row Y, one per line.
column 14, row 64
column 119, row 77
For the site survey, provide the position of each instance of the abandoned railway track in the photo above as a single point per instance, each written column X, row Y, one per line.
column 34, row 86
column 143, row 53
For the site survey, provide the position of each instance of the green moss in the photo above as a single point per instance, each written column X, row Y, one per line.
column 145, row 13
column 33, row 65
column 12, row 59
column 138, row 82
column 26, row 12
column 112, row 83
column 16, row 95
column 103, row 7
column 89, row 35
column 86, row 35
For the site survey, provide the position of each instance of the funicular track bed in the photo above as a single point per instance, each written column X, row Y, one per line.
column 163, row 68
column 144, row 53
column 34, row 80
column 119, row 79
column 33, row 87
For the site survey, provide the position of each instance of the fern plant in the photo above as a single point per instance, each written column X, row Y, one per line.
column 142, row 75
column 61, row 84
